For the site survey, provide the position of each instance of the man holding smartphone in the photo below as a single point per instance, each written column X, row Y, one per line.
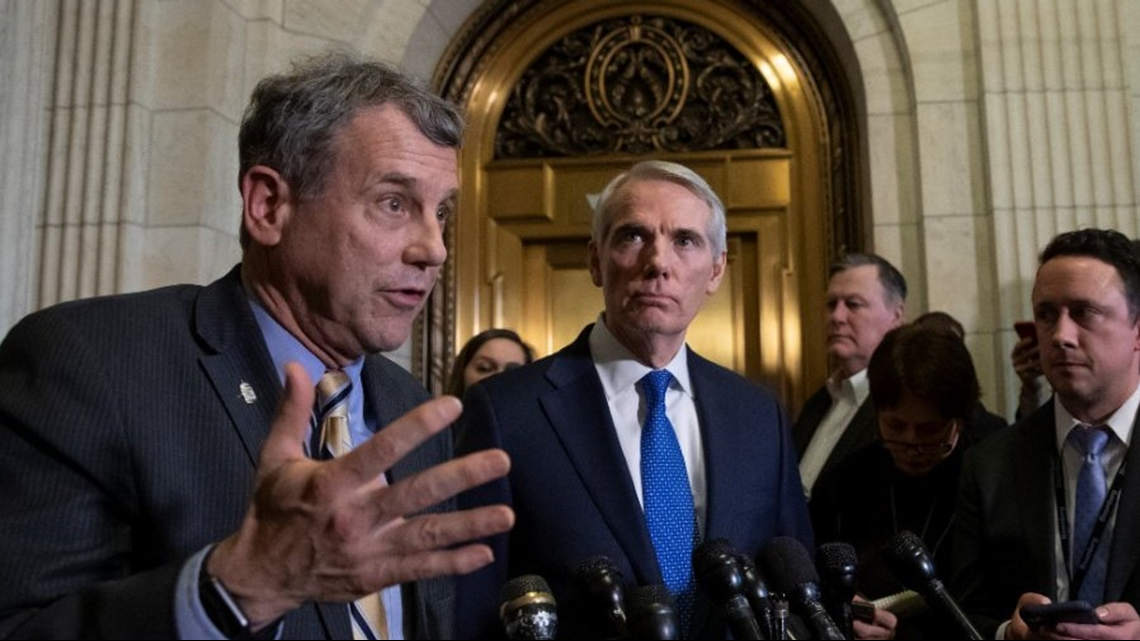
column 1045, row 511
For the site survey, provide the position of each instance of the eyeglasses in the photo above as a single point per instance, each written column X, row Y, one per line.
column 934, row 448
column 922, row 449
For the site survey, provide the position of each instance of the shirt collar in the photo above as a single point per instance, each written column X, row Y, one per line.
column 620, row 370
column 284, row 347
column 1120, row 422
column 853, row 387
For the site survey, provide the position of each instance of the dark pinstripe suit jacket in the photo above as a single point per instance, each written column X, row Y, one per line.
column 126, row 446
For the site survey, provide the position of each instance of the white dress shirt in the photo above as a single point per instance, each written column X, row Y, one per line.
column 620, row 372
column 846, row 397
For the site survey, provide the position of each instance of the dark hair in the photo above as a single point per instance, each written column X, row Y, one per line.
column 455, row 386
column 292, row 119
column 940, row 321
column 892, row 279
column 1108, row 246
column 931, row 364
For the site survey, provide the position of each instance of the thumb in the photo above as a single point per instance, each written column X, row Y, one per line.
column 290, row 425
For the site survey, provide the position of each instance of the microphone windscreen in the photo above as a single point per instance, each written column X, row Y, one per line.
column 521, row 586
column 648, row 597
column 787, row 565
column 836, row 557
column 528, row 610
column 590, row 568
column 717, row 570
column 908, row 560
column 652, row 613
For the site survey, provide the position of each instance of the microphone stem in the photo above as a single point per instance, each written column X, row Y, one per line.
column 779, row 620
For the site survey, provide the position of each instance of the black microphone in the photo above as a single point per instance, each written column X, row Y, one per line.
column 719, row 575
column 652, row 614
column 789, row 568
column 528, row 609
column 838, row 566
column 756, row 591
column 911, row 564
column 599, row 587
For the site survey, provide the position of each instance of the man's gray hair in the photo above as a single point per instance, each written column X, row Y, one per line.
column 605, row 208
column 293, row 118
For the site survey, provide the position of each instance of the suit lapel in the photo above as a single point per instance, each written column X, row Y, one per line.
column 1126, row 530
column 1034, row 498
column 581, row 420
column 722, row 477
column 237, row 363
column 810, row 417
column 859, row 433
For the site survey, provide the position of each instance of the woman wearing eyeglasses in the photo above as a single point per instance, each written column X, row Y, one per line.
column 926, row 395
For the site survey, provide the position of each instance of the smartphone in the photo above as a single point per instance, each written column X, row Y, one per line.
column 1026, row 329
column 1049, row 614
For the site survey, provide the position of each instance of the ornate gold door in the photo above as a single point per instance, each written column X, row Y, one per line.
column 568, row 94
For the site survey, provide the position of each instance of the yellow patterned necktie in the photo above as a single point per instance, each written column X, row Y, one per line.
column 369, row 620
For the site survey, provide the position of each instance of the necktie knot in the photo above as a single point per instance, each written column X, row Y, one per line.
column 1089, row 441
column 330, row 414
column 655, row 384
column 333, row 383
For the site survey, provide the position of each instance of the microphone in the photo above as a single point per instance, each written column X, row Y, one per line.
column 652, row 614
column 788, row 566
column 721, row 578
column 911, row 564
column 528, row 609
column 756, row 591
column 600, row 587
column 837, row 563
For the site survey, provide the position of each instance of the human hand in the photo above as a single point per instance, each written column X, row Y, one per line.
column 1026, row 359
column 1118, row 621
column 1017, row 627
column 333, row 531
column 881, row 627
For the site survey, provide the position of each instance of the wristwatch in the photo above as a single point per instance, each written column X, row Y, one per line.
column 224, row 611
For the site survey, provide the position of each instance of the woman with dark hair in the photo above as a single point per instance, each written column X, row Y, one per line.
column 925, row 392
column 486, row 353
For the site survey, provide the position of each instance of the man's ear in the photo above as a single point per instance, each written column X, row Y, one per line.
column 595, row 263
column 266, row 204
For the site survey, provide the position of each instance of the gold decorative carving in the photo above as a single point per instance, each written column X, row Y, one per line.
column 638, row 84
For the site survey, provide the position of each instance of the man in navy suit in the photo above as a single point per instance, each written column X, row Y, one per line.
column 148, row 488
column 572, row 422
column 1017, row 535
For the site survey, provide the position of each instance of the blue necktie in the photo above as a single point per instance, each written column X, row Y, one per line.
column 330, row 419
column 668, row 499
column 1091, row 492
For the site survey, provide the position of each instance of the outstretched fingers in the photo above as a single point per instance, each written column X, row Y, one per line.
column 425, row 545
column 291, row 423
column 392, row 443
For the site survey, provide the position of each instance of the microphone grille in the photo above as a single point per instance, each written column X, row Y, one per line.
column 836, row 556
column 711, row 553
column 905, row 544
column 523, row 585
column 591, row 567
column 648, row 597
column 787, row 564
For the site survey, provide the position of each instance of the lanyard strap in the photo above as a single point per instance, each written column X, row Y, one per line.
column 1077, row 573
